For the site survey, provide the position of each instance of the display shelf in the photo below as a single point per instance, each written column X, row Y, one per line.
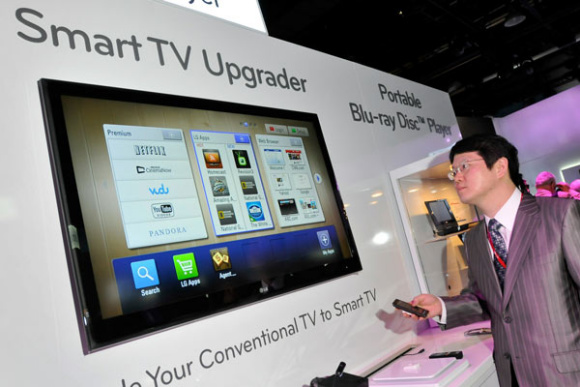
column 438, row 261
column 437, row 238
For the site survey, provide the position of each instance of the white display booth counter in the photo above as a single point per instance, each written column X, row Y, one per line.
column 415, row 368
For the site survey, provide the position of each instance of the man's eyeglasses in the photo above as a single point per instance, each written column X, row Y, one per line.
column 464, row 166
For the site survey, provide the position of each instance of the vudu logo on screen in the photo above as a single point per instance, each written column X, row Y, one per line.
column 162, row 190
column 144, row 273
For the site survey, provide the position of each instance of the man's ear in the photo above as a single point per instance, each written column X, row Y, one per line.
column 501, row 167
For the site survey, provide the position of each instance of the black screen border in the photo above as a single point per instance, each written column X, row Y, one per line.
column 98, row 333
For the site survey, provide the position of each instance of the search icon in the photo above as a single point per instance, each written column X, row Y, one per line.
column 143, row 272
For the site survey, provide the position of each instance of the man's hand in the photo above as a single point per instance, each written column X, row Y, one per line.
column 426, row 301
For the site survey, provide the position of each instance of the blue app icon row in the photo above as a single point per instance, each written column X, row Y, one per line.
column 145, row 272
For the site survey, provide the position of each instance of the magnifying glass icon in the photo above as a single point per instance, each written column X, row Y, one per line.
column 143, row 272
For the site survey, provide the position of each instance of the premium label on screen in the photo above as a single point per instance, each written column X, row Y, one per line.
column 149, row 165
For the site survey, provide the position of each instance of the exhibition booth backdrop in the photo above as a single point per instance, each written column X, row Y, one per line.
column 547, row 135
column 371, row 123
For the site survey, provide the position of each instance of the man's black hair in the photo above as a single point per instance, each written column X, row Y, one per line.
column 491, row 148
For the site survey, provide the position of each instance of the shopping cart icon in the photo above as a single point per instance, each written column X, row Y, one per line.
column 185, row 266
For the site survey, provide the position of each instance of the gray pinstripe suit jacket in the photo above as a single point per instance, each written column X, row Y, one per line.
column 536, row 321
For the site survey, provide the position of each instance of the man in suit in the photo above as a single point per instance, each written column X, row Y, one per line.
column 534, row 303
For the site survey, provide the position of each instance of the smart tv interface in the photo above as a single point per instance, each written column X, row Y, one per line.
column 175, row 208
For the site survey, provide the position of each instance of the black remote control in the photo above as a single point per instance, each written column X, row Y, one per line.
column 439, row 355
column 405, row 306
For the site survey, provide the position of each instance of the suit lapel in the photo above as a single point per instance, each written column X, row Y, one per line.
column 525, row 227
column 484, row 265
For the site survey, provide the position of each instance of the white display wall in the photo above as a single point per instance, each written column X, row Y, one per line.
column 547, row 135
column 152, row 46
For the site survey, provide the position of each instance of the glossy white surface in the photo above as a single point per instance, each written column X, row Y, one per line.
column 477, row 352
column 40, row 338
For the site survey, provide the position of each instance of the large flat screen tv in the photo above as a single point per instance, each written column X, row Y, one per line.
column 176, row 208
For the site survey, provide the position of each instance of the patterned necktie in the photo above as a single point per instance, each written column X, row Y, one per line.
column 500, row 248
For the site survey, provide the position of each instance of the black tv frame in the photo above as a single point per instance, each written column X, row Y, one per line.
column 98, row 332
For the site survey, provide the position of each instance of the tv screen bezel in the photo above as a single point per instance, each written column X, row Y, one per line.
column 98, row 332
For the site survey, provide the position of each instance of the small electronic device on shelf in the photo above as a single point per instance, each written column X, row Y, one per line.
column 442, row 218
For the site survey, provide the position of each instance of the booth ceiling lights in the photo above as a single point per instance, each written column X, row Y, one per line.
column 514, row 19
column 440, row 43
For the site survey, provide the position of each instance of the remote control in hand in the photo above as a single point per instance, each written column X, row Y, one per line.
column 406, row 307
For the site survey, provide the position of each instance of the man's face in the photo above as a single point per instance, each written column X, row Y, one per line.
column 475, row 181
